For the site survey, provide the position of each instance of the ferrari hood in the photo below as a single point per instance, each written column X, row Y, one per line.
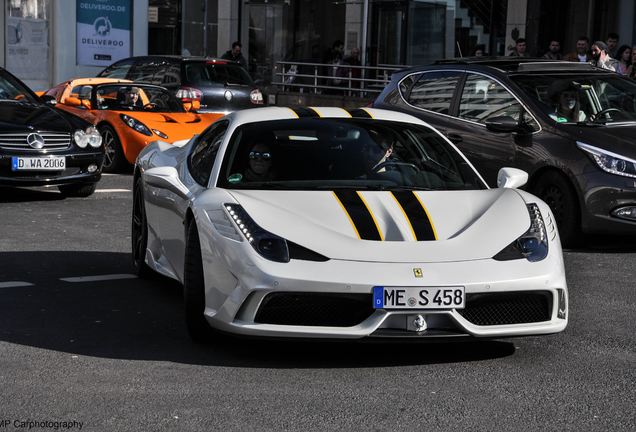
column 384, row 226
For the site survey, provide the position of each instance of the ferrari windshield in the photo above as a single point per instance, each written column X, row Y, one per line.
column 600, row 98
column 134, row 97
column 319, row 153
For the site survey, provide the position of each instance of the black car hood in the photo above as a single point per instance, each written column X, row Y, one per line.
column 16, row 116
column 618, row 138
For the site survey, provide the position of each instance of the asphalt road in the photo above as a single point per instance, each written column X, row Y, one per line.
column 83, row 341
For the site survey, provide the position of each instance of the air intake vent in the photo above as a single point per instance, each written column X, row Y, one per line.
column 485, row 309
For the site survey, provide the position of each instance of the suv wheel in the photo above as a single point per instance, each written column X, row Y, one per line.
column 557, row 192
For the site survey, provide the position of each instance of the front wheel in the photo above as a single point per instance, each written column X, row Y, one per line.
column 560, row 196
column 114, row 159
column 77, row 190
column 194, row 288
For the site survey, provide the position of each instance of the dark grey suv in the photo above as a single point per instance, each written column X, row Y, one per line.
column 571, row 126
column 220, row 85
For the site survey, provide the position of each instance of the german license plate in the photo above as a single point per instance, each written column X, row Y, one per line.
column 49, row 163
column 418, row 298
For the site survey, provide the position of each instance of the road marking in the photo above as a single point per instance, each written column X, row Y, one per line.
column 112, row 190
column 14, row 284
column 98, row 278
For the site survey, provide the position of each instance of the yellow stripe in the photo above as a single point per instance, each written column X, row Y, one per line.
column 346, row 112
column 368, row 112
column 294, row 112
column 372, row 215
column 316, row 111
column 428, row 215
column 408, row 221
column 347, row 213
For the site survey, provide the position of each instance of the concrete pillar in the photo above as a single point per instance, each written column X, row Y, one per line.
column 515, row 22
column 228, row 27
column 353, row 25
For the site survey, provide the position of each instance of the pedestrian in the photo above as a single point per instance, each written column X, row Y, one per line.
column 333, row 60
column 624, row 59
column 479, row 51
column 600, row 57
column 353, row 59
column 631, row 72
column 582, row 53
column 235, row 54
column 520, row 49
column 612, row 43
column 554, row 51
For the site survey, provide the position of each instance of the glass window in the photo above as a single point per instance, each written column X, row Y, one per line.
column 202, row 74
column 117, row 70
column 137, row 97
column 327, row 154
column 143, row 71
column 434, row 91
column 204, row 152
column 12, row 89
column 81, row 92
column 173, row 74
column 484, row 98
column 599, row 98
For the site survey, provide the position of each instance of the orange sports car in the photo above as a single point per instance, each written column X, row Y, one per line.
column 129, row 116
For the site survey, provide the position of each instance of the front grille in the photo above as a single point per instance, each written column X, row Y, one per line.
column 18, row 140
column 314, row 309
column 486, row 309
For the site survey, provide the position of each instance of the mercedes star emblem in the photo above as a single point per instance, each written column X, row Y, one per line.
column 35, row 140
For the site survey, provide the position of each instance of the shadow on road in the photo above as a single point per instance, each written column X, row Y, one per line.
column 143, row 320
column 18, row 195
column 605, row 244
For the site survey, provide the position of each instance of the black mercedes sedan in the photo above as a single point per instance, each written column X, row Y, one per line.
column 571, row 126
column 40, row 145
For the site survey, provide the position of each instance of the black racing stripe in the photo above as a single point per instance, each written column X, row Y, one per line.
column 359, row 214
column 359, row 113
column 305, row 112
column 416, row 214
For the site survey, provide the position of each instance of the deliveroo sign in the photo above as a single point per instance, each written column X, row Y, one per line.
column 103, row 31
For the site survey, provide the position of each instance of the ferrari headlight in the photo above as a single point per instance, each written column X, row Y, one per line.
column 610, row 162
column 268, row 245
column 532, row 245
column 80, row 138
column 94, row 137
column 135, row 124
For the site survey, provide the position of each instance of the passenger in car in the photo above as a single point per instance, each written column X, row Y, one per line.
column 260, row 163
column 567, row 103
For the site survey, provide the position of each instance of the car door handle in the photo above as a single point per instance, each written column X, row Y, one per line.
column 456, row 138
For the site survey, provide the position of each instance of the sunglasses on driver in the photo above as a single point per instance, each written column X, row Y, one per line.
column 260, row 155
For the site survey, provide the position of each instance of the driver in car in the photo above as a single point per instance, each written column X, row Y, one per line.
column 568, row 105
column 132, row 98
column 374, row 156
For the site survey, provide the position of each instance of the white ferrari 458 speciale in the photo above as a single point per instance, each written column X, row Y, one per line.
column 328, row 223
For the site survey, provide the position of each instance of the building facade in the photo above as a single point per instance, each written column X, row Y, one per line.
column 48, row 41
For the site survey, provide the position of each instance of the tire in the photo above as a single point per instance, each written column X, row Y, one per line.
column 114, row 159
column 79, row 190
column 194, row 288
column 558, row 193
column 139, row 232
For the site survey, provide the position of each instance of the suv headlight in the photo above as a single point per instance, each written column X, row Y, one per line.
column 610, row 162
column 268, row 245
column 89, row 137
column 135, row 124
column 532, row 245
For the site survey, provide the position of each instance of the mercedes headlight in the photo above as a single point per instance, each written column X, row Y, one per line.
column 135, row 124
column 610, row 162
column 268, row 245
column 88, row 137
column 532, row 245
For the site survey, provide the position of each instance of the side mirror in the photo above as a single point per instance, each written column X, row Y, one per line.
column 502, row 124
column 166, row 178
column 47, row 99
column 511, row 178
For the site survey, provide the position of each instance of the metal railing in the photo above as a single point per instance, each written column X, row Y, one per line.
column 335, row 79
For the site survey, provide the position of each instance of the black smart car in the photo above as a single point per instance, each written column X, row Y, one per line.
column 219, row 85
column 40, row 145
column 571, row 126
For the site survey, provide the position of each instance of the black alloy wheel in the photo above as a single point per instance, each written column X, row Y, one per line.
column 139, row 231
column 194, row 288
column 114, row 159
column 80, row 190
column 560, row 196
